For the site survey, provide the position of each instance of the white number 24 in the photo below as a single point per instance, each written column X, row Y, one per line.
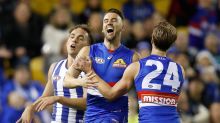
column 172, row 69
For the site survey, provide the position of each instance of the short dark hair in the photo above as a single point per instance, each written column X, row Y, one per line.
column 116, row 11
column 164, row 35
column 85, row 28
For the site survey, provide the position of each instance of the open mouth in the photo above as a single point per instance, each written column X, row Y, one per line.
column 73, row 46
column 110, row 30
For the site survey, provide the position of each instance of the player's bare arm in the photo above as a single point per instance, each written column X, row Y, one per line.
column 70, row 80
column 122, row 86
column 75, row 69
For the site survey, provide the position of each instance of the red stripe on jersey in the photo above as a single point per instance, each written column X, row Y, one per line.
column 140, row 93
column 111, row 83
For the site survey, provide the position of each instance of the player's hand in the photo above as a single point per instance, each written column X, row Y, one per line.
column 78, row 63
column 26, row 116
column 83, row 64
column 43, row 102
column 87, row 80
column 87, row 67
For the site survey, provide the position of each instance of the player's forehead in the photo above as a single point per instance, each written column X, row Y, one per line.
column 79, row 32
column 111, row 16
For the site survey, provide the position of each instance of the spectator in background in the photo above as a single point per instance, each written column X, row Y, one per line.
column 67, row 5
column 143, row 48
column 204, row 60
column 6, row 10
column 212, row 44
column 197, row 112
column 91, row 6
column 5, row 54
column 22, row 36
column 139, row 42
column 203, row 22
column 138, row 34
column 127, row 37
column 181, row 46
column 181, row 11
column 183, row 60
column 149, row 23
column 138, row 10
column 95, row 24
column 54, row 33
column 17, row 93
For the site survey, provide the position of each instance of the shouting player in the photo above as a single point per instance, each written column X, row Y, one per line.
column 109, row 60
column 157, row 79
column 55, row 93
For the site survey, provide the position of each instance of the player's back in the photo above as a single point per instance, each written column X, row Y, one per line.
column 158, row 85
column 62, row 113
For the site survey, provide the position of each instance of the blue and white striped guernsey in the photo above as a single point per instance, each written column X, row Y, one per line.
column 61, row 113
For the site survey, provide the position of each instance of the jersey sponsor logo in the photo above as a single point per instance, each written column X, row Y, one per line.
column 120, row 63
column 56, row 78
column 99, row 60
column 159, row 99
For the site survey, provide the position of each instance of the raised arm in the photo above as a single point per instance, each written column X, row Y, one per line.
column 124, row 85
column 70, row 80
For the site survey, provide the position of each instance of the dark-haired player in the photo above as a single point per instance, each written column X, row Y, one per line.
column 157, row 79
column 109, row 61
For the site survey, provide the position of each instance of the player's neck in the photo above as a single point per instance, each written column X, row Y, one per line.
column 70, row 60
column 155, row 51
column 112, row 45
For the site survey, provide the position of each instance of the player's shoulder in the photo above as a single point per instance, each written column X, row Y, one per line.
column 96, row 46
column 55, row 64
column 126, row 48
column 136, row 56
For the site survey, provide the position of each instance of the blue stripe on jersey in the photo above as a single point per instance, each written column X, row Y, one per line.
column 54, row 112
column 79, row 113
column 65, row 109
column 57, row 71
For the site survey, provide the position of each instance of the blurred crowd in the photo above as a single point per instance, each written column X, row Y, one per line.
column 33, row 34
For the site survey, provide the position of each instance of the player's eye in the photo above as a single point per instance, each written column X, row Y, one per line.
column 105, row 21
column 81, row 39
column 114, row 20
column 72, row 36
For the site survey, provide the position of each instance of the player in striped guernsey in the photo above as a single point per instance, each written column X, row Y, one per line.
column 157, row 79
column 69, row 104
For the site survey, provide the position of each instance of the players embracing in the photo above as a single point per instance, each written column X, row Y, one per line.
column 158, row 80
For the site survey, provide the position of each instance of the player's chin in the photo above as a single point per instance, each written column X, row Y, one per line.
column 110, row 38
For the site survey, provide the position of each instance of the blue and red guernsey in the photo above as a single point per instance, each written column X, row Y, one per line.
column 110, row 66
column 158, row 86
